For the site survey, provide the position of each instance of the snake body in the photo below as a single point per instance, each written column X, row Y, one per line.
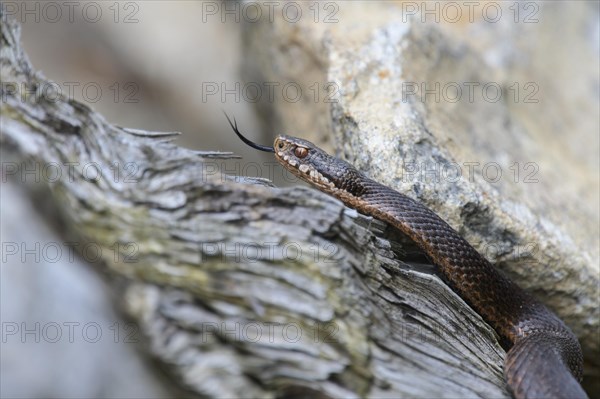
column 544, row 358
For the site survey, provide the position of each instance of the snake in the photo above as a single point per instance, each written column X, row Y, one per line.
column 544, row 357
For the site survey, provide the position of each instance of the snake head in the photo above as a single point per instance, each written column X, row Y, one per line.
column 313, row 165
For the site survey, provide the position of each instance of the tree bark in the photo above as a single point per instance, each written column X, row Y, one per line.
column 242, row 288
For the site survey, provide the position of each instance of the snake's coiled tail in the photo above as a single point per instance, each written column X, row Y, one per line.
column 544, row 359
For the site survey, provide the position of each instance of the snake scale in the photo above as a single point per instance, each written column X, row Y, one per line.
column 544, row 358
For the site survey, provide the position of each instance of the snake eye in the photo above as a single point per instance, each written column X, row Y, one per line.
column 300, row 152
column 280, row 145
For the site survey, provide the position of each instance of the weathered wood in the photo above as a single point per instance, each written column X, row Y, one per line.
column 245, row 289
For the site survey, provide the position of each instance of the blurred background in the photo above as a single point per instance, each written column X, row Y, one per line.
column 153, row 65
column 149, row 65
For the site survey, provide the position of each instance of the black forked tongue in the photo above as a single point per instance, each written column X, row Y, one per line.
column 245, row 140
